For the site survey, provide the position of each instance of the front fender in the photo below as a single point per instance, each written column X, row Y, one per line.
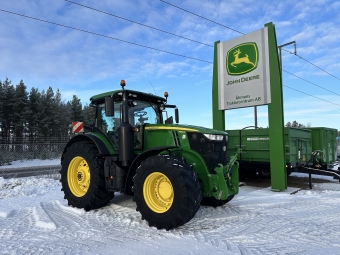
column 138, row 160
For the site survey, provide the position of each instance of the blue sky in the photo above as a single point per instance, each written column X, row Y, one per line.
column 83, row 64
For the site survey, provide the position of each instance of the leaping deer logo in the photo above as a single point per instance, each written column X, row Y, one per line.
column 241, row 60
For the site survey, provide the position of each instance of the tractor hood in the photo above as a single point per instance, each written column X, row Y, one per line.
column 188, row 128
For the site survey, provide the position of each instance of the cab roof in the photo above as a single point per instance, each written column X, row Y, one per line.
column 136, row 95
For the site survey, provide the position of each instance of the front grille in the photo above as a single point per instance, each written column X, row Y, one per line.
column 211, row 151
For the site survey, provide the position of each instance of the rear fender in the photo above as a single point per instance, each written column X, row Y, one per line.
column 102, row 148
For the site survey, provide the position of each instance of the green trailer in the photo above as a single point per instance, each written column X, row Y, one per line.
column 255, row 149
column 311, row 151
column 324, row 139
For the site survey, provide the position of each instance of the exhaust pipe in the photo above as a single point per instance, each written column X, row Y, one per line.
column 125, row 134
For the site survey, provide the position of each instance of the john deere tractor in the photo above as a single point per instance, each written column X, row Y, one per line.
column 135, row 148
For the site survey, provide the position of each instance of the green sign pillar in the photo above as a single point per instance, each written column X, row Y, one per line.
column 275, row 105
column 218, row 115
column 276, row 118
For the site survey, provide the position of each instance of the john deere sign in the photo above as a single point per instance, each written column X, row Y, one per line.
column 243, row 71
column 242, row 59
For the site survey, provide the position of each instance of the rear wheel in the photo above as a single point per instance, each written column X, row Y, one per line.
column 82, row 177
column 212, row 201
column 166, row 191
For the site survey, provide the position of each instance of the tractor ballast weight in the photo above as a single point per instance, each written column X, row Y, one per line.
column 133, row 147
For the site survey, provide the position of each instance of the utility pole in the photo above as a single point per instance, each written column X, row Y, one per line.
column 255, row 115
column 280, row 52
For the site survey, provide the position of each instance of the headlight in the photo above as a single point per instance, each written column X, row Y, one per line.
column 214, row 137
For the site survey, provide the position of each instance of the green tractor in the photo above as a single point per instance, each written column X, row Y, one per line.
column 134, row 148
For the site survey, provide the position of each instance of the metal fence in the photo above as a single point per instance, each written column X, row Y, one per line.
column 30, row 156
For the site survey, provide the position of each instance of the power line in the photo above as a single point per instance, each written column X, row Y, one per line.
column 283, row 49
column 311, row 82
column 202, row 17
column 140, row 45
column 312, row 64
column 312, row 95
column 116, row 16
column 244, row 33
column 112, row 38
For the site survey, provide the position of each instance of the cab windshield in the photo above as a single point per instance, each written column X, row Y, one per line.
column 140, row 114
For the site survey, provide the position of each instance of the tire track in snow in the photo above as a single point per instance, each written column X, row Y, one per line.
column 317, row 225
column 22, row 222
column 248, row 226
column 59, row 228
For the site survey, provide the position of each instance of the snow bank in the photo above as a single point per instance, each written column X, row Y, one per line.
column 30, row 163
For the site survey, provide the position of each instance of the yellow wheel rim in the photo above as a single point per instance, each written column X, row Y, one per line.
column 78, row 176
column 158, row 192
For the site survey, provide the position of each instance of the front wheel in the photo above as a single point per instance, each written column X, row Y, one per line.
column 82, row 177
column 166, row 191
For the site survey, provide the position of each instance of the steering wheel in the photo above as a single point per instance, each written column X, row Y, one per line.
column 140, row 114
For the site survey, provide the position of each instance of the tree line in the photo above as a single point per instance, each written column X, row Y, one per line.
column 37, row 114
column 296, row 124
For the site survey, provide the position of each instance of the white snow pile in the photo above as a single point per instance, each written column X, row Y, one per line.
column 30, row 186
column 35, row 219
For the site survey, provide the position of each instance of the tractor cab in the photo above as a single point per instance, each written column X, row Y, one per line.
column 134, row 108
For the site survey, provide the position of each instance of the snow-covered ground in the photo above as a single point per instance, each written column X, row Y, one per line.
column 33, row 162
column 35, row 219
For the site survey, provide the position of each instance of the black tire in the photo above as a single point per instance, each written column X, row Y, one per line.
column 242, row 173
column 250, row 174
column 289, row 172
column 264, row 174
column 212, row 201
column 76, row 173
column 184, row 196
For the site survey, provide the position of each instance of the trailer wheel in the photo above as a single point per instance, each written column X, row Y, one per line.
column 212, row 201
column 264, row 174
column 166, row 191
column 82, row 177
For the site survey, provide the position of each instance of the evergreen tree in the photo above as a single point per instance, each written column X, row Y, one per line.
column 61, row 116
column 8, row 100
column 20, row 110
column 42, row 128
column 76, row 109
column 295, row 124
column 32, row 119
column 50, row 112
column 1, row 108
column 89, row 113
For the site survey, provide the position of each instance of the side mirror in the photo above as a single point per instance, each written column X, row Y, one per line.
column 109, row 106
column 176, row 115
